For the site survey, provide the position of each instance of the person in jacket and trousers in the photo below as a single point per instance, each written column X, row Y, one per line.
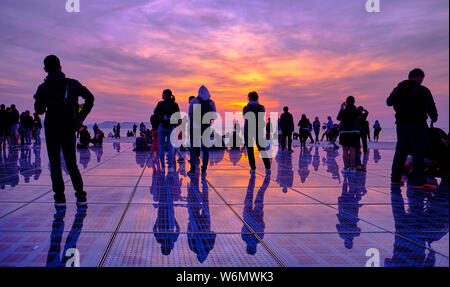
column 206, row 105
column 251, row 138
column 58, row 97
column 413, row 104
column 163, row 112
column 287, row 128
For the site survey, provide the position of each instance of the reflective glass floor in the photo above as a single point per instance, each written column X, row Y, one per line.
column 306, row 213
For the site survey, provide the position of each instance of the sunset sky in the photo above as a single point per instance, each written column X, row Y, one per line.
column 309, row 55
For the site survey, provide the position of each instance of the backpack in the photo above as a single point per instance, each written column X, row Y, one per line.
column 205, row 108
column 439, row 147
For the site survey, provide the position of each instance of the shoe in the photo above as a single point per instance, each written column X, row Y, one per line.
column 426, row 186
column 360, row 168
column 81, row 200
column 398, row 183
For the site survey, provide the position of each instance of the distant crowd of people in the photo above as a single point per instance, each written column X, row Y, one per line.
column 18, row 129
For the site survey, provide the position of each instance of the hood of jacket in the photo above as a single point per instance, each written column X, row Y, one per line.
column 203, row 93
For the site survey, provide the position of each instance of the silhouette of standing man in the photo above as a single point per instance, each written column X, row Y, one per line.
column 58, row 98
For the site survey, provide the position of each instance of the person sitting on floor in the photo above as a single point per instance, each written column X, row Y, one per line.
column 141, row 143
column 85, row 138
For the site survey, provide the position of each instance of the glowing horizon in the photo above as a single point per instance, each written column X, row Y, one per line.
column 307, row 55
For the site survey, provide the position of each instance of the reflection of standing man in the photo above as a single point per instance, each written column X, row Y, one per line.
column 254, row 214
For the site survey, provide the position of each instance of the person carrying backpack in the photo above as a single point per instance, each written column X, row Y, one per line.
column 58, row 97
column 413, row 104
column 163, row 111
column 206, row 105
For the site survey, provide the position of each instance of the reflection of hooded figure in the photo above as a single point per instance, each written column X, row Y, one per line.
column 85, row 156
column 426, row 221
column 54, row 257
column 166, row 228
column 37, row 170
column 254, row 214
column 285, row 174
column 353, row 188
column 200, row 237
column 303, row 162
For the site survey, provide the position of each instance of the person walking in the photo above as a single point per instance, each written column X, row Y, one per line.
column 287, row 128
column 376, row 131
column 303, row 132
column 316, row 129
column 252, row 137
column 413, row 103
column 349, row 136
column 58, row 97
column 204, row 102
column 163, row 111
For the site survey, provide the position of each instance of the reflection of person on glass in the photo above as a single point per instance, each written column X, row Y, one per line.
column 316, row 159
column 285, row 174
column 37, row 170
column 26, row 169
column 54, row 257
column 425, row 221
column 200, row 237
column 304, row 161
column 98, row 150
column 353, row 189
column 85, row 156
column 332, row 165
column 254, row 214
column 166, row 228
